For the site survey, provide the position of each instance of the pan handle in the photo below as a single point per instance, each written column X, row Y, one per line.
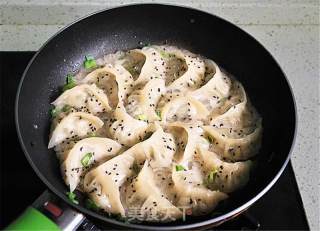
column 33, row 219
column 49, row 213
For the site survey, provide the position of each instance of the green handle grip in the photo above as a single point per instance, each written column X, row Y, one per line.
column 32, row 219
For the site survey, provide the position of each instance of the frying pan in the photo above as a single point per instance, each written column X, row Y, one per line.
column 128, row 27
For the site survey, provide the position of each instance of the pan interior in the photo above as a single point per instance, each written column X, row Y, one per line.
column 133, row 26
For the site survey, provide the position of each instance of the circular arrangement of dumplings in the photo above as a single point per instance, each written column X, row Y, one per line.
column 153, row 133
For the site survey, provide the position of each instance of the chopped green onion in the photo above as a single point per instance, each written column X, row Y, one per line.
column 180, row 168
column 210, row 139
column 159, row 114
column 66, row 108
column 211, row 177
column 70, row 79
column 91, row 205
column 119, row 217
column 164, row 54
column 70, row 83
column 87, row 159
column 135, row 168
column 89, row 62
column 54, row 112
column 142, row 117
column 142, row 44
column 92, row 134
column 72, row 197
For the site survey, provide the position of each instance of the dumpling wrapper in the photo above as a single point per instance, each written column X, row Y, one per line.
column 143, row 102
column 115, row 80
column 228, row 177
column 126, row 129
column 74, row 125
column 184, row 109
column 192, row 194
column 103, row 183
column 152, row 67
column 85, row 98
column 102, row 149
column 144, row 196
column 190, row 80
column 235, row 149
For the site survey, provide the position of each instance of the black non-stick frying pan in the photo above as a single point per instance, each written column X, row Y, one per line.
column 128, row 27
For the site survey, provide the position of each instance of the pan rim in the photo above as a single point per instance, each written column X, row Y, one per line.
column 209, row 221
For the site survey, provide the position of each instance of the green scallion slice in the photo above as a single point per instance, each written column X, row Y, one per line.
column 91, row 205
column 54, row 112
column 142, row 117
column 89, row 62
column 66, row 108
column 212, row 175
column 72, row 197
column 87, row 159
column 159, row 114
column 70, row 83
column 164, row 54
column 210, row 139
column 180, row 168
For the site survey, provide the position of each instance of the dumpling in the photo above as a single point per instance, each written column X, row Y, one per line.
column 234, row 149
column 184, row 109
column 143, row 101
column 143, row 195
column 103, row 183
column 85, row 98
column 126, row 129
column 213, row 93
column 75, row 125
column 114, row 80
column 240, row 116
column 191, row 192
column 236, row 96
column 146, row 64
column 85, row 154
column 159, row 148
column 191, row 78
column 188, row 137
column 226, row 177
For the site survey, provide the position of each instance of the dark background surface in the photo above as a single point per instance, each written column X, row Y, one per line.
column 280, row 208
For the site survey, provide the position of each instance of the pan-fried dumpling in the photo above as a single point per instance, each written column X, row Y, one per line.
column 236, row 96
column 85, row 154
column 216, row 90
column 184, row 109
column 226, row 177
column 126, row 129
column 143, row 101
column 144, row 195
column 159, row 149
column 75, row 125
column 234, row 149
column 114, row 80
column 187, row 138
column 240, row 116
column 191, row 192
column 191, row 78
column 85, row 98
column 145, row 64
column 103, row 183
